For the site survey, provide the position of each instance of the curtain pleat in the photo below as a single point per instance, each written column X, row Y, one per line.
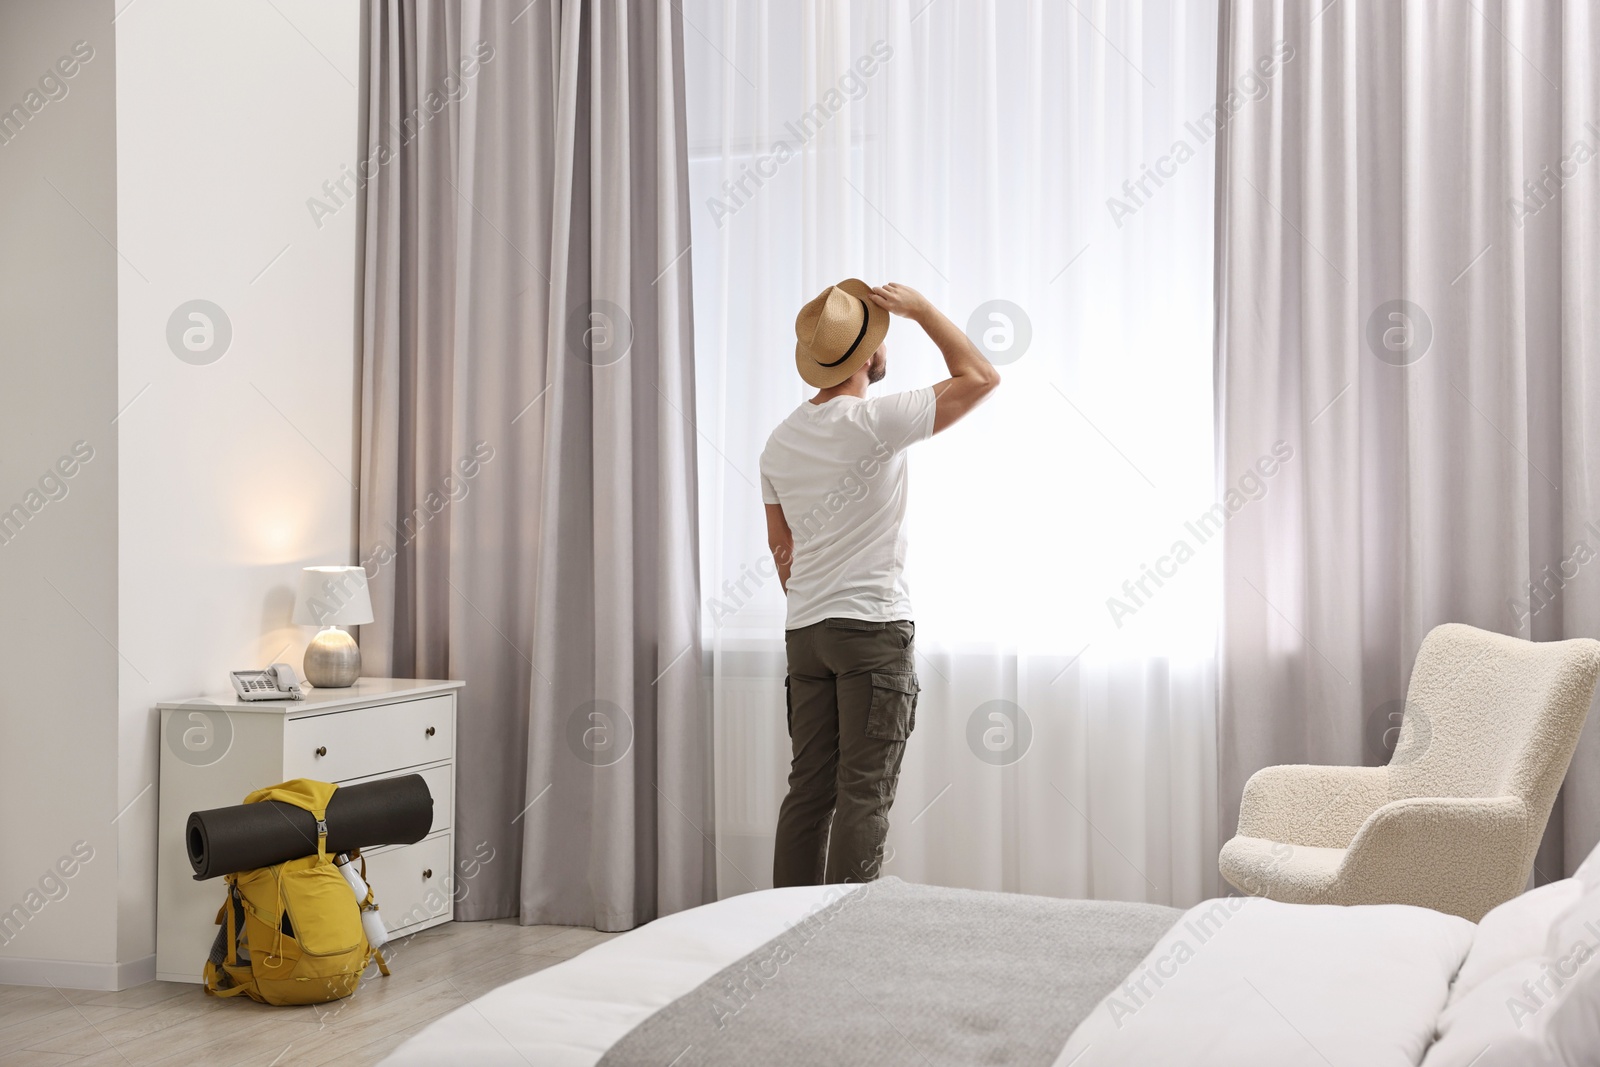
column 528, row 448
column 1401, row 297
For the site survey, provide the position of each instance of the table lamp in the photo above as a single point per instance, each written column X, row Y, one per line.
column 331, row 597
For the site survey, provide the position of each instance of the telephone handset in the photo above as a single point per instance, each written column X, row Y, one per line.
column 277, row 682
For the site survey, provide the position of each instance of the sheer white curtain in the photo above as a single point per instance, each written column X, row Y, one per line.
column 1057, row 157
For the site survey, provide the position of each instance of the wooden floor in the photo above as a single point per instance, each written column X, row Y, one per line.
column 435, row 972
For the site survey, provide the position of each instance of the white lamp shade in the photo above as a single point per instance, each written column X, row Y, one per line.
column 333, row 596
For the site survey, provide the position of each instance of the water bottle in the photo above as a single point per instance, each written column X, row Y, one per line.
column 377, row 933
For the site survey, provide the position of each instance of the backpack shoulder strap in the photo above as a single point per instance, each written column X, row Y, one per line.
column 231, row 919
column 214, row 986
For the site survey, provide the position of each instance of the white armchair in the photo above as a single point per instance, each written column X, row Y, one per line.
column 1453, row 822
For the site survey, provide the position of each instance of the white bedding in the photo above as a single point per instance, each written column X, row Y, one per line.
column 1244, row 981
column 570, row 1014
column 1237, row 982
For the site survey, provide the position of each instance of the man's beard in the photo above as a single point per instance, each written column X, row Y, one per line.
column 876, row 369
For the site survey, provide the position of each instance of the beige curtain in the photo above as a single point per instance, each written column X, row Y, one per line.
column 1408, row 234
column 528, row 450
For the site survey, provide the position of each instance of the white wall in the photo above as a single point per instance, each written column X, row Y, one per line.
column 179, row 544
column 58, row 384
column 236, row 473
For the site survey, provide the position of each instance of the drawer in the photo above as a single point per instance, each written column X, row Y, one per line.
column 412, row 883
column 441, row 783
column 369, row 741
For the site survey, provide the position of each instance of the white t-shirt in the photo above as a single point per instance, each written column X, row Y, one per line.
column 839, row 471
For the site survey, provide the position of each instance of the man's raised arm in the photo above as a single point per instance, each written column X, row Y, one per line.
column 971, row 376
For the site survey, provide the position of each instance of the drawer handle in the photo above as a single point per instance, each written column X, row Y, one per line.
column 431, row 731
column 322, row 750
column 427, row 873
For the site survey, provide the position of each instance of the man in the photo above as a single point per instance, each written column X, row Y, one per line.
column 833, row 477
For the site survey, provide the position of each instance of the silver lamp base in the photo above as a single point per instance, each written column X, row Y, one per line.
column 333, row 660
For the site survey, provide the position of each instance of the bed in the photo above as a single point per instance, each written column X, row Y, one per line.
column 893, row 973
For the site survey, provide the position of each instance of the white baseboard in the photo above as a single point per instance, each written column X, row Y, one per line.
column 72, row 975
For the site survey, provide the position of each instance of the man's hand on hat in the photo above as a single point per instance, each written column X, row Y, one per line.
column 900, row 300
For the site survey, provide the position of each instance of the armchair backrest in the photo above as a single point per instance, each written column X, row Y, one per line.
column 1490, row 715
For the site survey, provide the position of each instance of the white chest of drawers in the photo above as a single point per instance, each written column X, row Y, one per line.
column 215, row 750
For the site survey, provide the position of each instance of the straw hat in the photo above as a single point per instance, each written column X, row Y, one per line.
column 837, row 332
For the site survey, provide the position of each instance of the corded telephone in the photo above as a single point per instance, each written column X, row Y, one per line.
column 277, row 682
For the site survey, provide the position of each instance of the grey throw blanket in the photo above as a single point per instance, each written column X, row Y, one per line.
column 906, row 974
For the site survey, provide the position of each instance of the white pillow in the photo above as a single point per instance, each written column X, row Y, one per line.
column 1528, row 994
column 1588, row 871
column 1515, row 932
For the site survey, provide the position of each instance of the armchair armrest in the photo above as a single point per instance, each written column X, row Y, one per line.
column 1321, row 807
column 1461, row 855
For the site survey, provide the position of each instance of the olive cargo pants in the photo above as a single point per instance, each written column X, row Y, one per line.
column 852, row 702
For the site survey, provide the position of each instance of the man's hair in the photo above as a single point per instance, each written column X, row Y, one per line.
column 878, row 365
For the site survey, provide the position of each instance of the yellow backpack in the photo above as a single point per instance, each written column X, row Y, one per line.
column 291, row 934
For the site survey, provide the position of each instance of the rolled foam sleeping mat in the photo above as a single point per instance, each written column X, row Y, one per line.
column 242, row 837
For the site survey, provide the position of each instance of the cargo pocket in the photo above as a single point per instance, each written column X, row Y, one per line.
column 894, row 705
